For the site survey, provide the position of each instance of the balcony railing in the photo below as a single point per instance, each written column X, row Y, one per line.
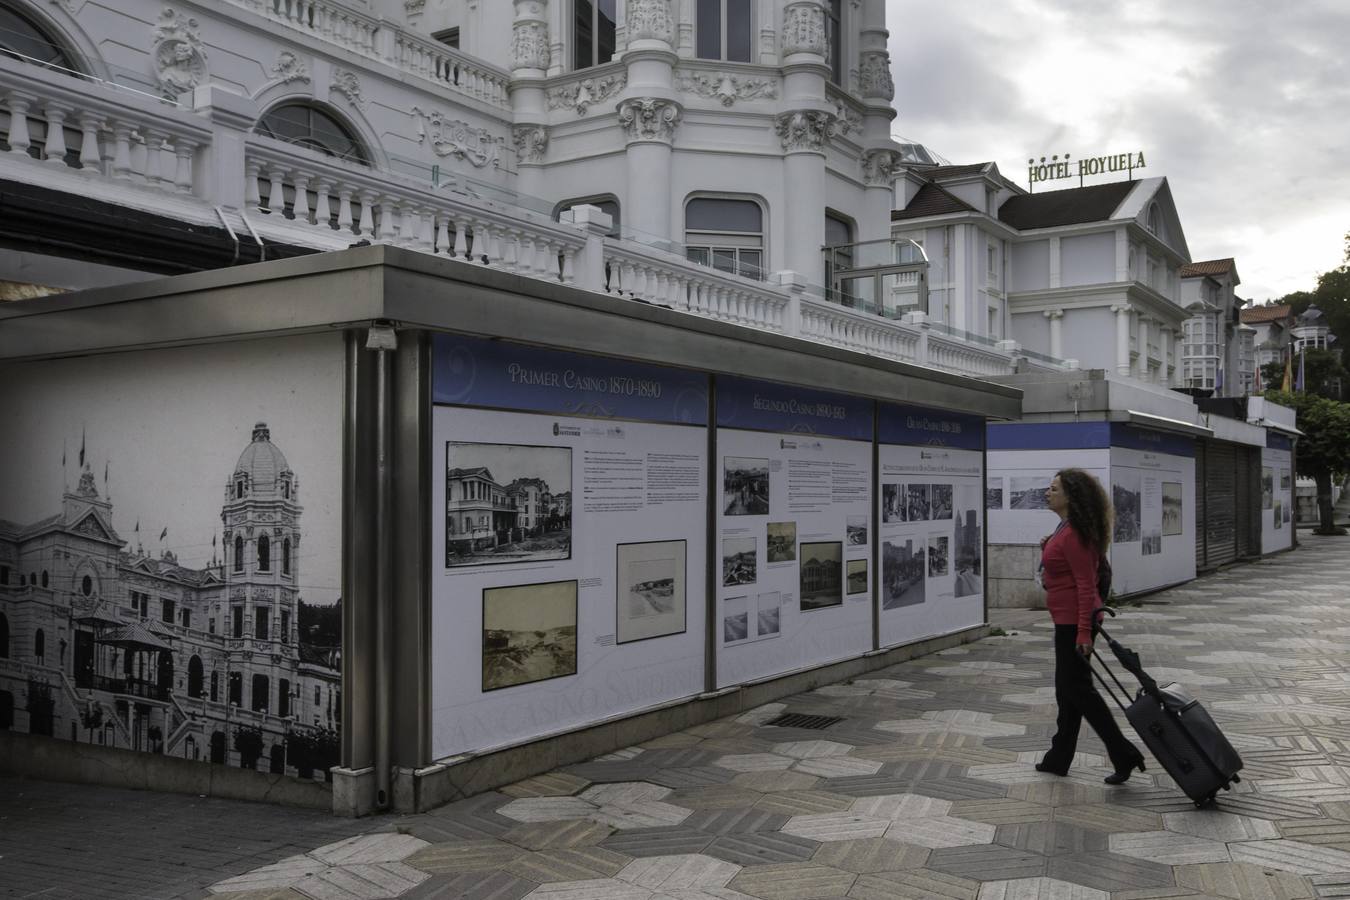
column 887, row 276
column 131, row 687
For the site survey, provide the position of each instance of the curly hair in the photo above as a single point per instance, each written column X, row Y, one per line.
column 1090, row 512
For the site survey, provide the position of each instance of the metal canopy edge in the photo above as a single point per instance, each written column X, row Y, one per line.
column 1160, row 423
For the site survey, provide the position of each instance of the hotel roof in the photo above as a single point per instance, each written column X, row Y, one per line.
column 1257, row 314
column 1208, row 267
column 1074, row 206
column 931, row 200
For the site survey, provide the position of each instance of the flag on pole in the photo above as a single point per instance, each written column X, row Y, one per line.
column 63, row 454
column 1298, row 385
column 81, row 446
column 1256, row 382
column 163, row 534
column 138, row 526
column 1288, row 375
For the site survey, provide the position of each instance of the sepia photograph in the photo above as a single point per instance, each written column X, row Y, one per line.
column 892, row 503
column 857, row 576
column 1028, row 491
column 1125, row 498
column 1286, row 512
column 941, row 501
column 507, row 503
column 529, row 633
column 1279, row 515
column 768, row 622
column 651, row 598
column 918, row 502
column 902, row 573
column 822, row 576
column 1284, row 479
column 1151, row 543
column 969, row 543
column 937, row 556
column 739, row 563
column 781, row 542
column 856, row 533
column 745, row 486
column 1171, row 507
column 735, row 620
column 1267, row 487
column 993, row 494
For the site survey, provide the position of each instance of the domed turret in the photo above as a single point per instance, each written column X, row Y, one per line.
column 262, row 470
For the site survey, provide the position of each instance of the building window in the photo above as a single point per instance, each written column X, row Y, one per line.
column 4, row 574
column 1154, row 220
column 449, row 37
column 44, row 578
column 316, row 695
column 286, row 556
column 723, row 30
column 215, row 687
column 239, row 487
column 285, row 635
column 239, row 554
column 262, row 618
column 283, row 697
column 238, row 612
column 314, row 128
column 211, row 625
column 87, row 586
column 194, row 684
column 592, row 32
column 40, row 645
column 21, row 38
column 264, row 554
column 4, row 636
column 261, row 688
column 726, row 234
column 236, row 689
column 166, row 610
column 187, row 618
column 839, row 251
column 834, row 39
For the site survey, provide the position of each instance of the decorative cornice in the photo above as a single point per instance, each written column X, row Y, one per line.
column 649, row 118
column 804, row 131
column 727, row 88
column 531, row 142
column 582, row 94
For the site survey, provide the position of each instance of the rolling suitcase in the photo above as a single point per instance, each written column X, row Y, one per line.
column 1176, row 728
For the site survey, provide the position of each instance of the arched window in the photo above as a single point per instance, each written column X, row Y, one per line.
column 723, row 29
column 218, row 747
column 286, row 557
column 264, row 554
column 40, row 644
column 87, row 586
column 195, row 676
column 725, row 233
column 239, row 554
column 44, row 577
column 1154, row 220
column 215, row 686
column 4, row 637
column 261, row 687
column 312, row 127
column 22, row 38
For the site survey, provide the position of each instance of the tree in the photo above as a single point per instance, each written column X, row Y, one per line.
column 1324, row 450
column 248, row 740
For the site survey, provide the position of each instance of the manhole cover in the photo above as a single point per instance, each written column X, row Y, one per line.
column 797, row 720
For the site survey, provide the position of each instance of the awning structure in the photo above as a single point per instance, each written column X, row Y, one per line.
column 1160, row 423
column 97, row 614
column 133, row 637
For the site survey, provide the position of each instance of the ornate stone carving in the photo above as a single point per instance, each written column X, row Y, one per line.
column 584, row 93
column 804, row 28
column 531, row 142
column 451, row 137
column 179, row 55
column 529, row 45
column 649, row 118
column 289, row 67
column 879, row 166
column 804, row 130
column 348, row 84
column 847, row 120
column 414, row 7
column 874, row 75
column 727, row 89
column 650, row 20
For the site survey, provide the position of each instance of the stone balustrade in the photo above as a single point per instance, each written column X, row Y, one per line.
column 100, row 131
column 963, row 357
column 830, row 323
column 456, row 72
column 327, row 20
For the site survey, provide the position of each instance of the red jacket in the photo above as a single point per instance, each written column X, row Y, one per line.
column 1070, row 578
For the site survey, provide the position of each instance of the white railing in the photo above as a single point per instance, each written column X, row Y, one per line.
column 454, row 71
column 952, row 354
column 63, row 123
column 657, row 276
column 338, row 203
column 324, row 19
column 830, row 323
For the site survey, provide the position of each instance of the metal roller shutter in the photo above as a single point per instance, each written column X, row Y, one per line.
column 1200, row 506
column 1221, row 478
column 1247, row 509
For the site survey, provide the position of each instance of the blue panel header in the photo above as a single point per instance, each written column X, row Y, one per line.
column 475, row 372
column 767, row 406
column 1277, row 441
column 1132, row 437
column 1050, row 436
column 921, row 426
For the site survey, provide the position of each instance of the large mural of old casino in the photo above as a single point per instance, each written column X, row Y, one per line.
column 104, row 643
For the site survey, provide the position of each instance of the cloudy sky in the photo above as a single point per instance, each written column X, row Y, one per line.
column 1243, row 105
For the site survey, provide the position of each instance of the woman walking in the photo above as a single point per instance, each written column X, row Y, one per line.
column 1069, row 560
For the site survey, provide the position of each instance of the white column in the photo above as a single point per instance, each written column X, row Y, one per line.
column 804, row 129
column 649, row 115
column 1056, row 317
column 1122, row 312
column 1141, row 361
column 1175, row 360
column 1056, row 276
column 1165, row 352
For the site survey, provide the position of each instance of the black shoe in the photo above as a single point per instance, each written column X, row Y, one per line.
column 1052, row 770
column 1120, row 776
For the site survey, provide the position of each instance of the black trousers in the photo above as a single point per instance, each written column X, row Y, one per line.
column 1078, row 699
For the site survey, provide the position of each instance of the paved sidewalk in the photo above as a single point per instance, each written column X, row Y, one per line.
column 924, row 790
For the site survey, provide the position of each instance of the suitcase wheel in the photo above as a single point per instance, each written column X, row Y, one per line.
column 1236, row 779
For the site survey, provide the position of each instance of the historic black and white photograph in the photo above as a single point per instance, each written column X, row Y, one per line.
column 507, row 503
column 1028, row 491
column 1284, row 479
column 918, row 502
column 822, row 574
column 651, row 598
column 1171, row 507
column 1267, row 487
column 1151, row 543
column 856, row 531
column 1279, row 514
column 941, row 500
column 529, row 633
column 735, row 620
column 745, row 486
column 739, row 562
column 1285, row 512
column 892, row 502
column 856, row 572
column 1126, row 495
column 993, row 494
column 903, row 572
column 938, row 559
column 781, row 542
column 969, row 543
column 205, row 582
column 768, row 622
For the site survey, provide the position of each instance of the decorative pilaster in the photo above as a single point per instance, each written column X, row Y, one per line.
column 880, row 167
column 1122, row 312
column 529, row 37
column 650, row 20
column 1056, row 317
column 804, row 131
column 803, row 28
column 874, row 75
column 649, row 119
column 531, row 142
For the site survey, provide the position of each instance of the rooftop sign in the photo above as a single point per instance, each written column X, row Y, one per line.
column 1056, row 168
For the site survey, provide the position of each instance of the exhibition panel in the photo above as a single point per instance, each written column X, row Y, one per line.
column 1153, row 493
column 1277, row 493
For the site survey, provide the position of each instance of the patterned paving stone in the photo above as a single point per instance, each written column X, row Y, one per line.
column 962, row 789
column 1243, row 880
column 762, row 848
column 794, row 881
column 1108, row 819
column 960, row 721
column 679, row 873
column 1108, row 871
column 988, row 862
column 696, row 777
column 558, row 835
column 1050, row 838
column 730, row 821
column 1292, row 856
column 1001, row 811
column 811, row 749
column 1169, row 847
column 552, row 784
column 1323, row 832
column 1265, row 807
column 922, row 884
column 719, row 797
column 581, row 864
column 795, row 803
column 1221, row 826
column 775, row 782
column 363, row 881
column 546, row 809
column 838, row 826
column 941, row 831
column 869, row 785
column 871, row 855
column 465, row 856
column 472, row 819
column 754, row 762
column 1039, row 889
column 838, row 766
column 657, row 841
column 368, row 848
column 593, row 889
column 900, row 807
column 493, row 885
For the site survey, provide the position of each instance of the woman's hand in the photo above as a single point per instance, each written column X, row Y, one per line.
column 1085, row 649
